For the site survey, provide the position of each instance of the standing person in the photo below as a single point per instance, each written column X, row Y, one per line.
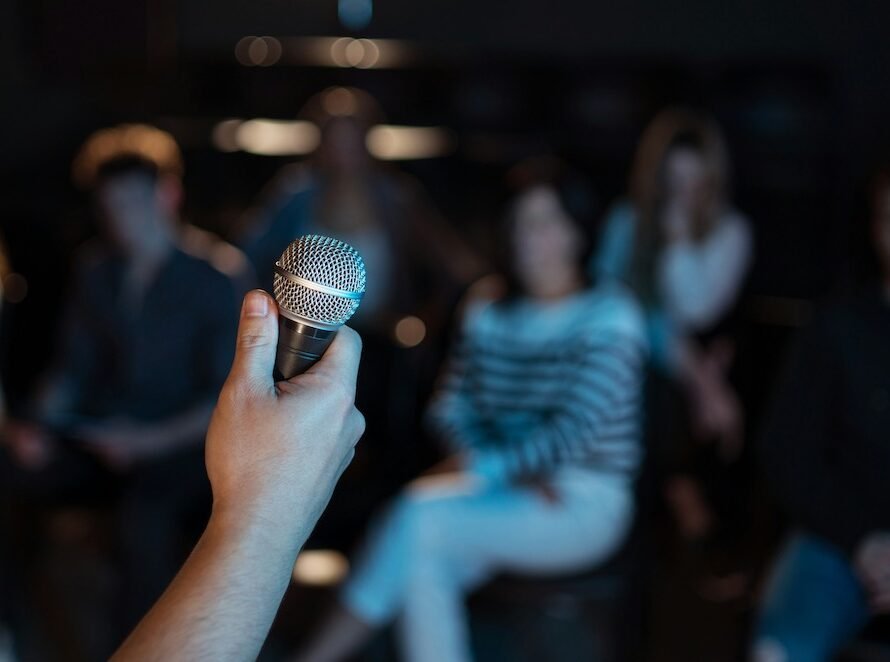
column 540, row 409
column 683, row 247
column 145, row 346
column 416, row 264
column 827, row 454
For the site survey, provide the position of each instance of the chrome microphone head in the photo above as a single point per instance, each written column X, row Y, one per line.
column 319, row 281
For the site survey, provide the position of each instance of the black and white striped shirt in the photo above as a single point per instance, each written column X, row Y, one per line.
column 535, row 386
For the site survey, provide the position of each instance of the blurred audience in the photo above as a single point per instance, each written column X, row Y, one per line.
column 827, row 455
column 144, row 348
column 540, row 410
column 417, row 269
column 685, row 250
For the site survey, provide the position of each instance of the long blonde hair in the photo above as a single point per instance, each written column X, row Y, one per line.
column 673, row 127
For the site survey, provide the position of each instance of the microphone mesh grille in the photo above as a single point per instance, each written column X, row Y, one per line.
column 327, row 262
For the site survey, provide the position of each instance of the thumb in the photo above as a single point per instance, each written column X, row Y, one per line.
column 257, row 339
column 341, row 361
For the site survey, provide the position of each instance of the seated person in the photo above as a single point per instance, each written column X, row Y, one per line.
column 540, row 408
column 145, row 347
column 828, row 456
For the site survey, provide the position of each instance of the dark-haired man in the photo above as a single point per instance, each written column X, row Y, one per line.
column 145, row 346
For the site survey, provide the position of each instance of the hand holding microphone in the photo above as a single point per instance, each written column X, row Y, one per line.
column 276, row 450
column 274, row 453
column 318, row 284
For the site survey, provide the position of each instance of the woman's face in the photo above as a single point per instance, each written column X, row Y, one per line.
column 686, row 181
column 546, row 239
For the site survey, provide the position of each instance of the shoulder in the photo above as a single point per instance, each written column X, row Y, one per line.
column 611, row 308
column 210, row 249
column 479, row 300
column 211, row 269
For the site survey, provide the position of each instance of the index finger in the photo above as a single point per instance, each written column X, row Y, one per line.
column 341, row 360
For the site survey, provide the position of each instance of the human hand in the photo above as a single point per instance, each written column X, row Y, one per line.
column 717, row 411
column 274, row 452
column 872, row 562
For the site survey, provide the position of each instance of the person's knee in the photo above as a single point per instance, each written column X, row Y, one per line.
column 421, row 522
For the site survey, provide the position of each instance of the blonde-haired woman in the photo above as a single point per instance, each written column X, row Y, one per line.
column 678, row 240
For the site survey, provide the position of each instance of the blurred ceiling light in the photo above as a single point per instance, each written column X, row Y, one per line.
column 344, row 52
column 396, row 143
column 410, row 331
column 277, row 137
column 338, row 51
column 355, row 14
column 363, row 53
column 258, row 51
column 320, row 567
column 225, row 135
column 340, row 102
column 242, row 49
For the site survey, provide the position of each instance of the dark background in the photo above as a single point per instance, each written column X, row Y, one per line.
column 802, row 89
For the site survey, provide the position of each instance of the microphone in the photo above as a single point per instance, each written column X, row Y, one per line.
column 319, row 283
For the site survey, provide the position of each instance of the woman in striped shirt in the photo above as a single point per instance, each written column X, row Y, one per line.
column 540, row 407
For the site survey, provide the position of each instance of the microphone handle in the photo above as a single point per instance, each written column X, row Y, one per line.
column 300, row 346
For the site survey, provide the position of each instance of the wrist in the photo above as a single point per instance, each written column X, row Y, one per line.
column 284, row 529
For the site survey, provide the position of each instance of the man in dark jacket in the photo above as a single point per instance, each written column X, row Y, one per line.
column 827, row 454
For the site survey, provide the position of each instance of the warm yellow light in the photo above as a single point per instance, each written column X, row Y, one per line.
column 242, row 50
column 370, row 54
column 225, row 135
column 338, row 51
column 410, row 331
column 394, row 143
column 320, row 567
column 277, row 137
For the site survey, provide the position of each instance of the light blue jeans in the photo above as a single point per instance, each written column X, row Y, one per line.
column 814, row 605
column 446, row 535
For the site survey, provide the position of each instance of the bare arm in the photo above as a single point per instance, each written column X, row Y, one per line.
column 223, row 601
column 274, row 454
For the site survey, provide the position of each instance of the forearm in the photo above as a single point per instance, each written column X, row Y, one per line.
column 223, row 601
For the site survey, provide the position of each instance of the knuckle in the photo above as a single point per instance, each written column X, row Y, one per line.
column 360, row 422
column 353, row 338
column 340, row 392
column 251, row 338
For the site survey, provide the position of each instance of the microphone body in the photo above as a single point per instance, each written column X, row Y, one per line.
column 319, row 283
column 300, row 346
